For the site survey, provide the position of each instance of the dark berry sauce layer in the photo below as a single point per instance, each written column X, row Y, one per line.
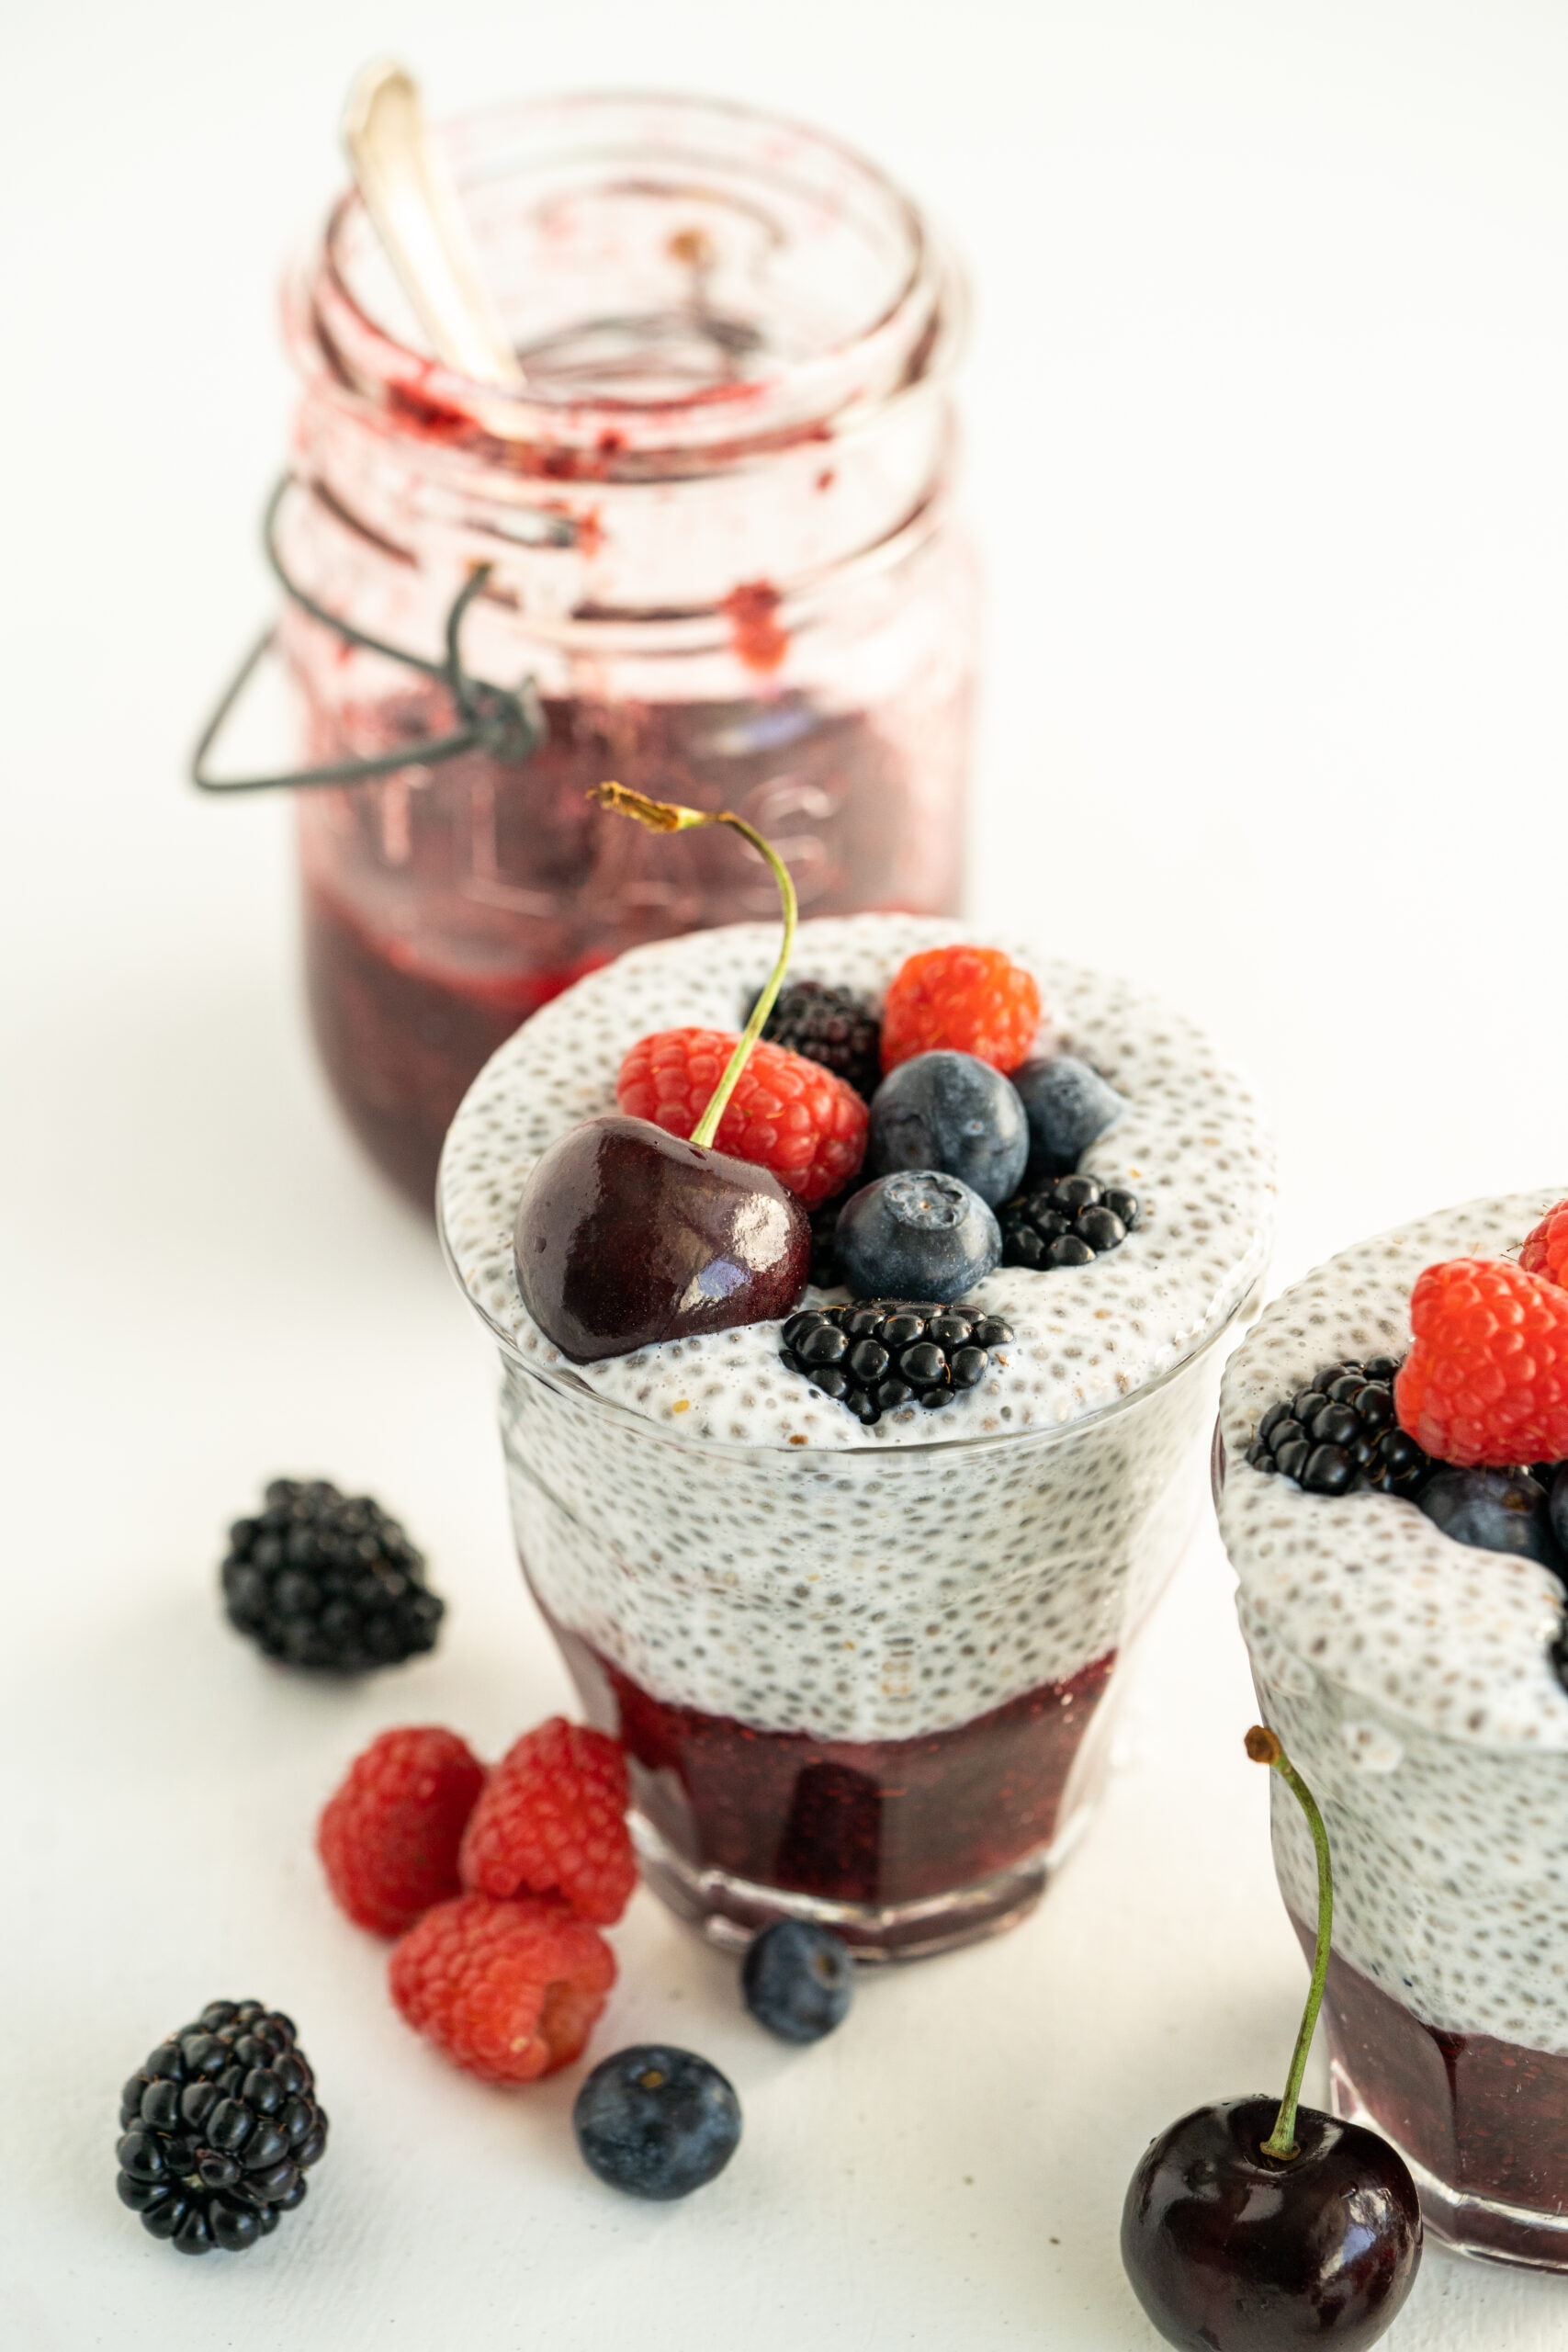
column 1487, row 2119
column 856, row 1821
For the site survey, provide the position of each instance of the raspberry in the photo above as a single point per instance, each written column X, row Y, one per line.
column 975, row 999
column 1546, row 1247
column 552, row 1821
column 787, row 1114
column 1486, row 1380
column 388, row 1836
column 509, row 1991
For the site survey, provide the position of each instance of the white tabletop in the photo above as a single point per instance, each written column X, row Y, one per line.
column 1267, row 461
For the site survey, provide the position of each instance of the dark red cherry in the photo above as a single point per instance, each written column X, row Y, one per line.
column 625, row 1234
column 1232, row 2251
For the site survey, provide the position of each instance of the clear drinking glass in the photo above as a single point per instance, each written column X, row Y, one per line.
column 720, row 544
column 1410, row 1682
column 980, row 1593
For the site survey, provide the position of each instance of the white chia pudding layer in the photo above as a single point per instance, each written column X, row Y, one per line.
column 1408, row 1676
column 736, row 1542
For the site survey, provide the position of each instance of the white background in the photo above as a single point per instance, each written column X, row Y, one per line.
column 1265, row 456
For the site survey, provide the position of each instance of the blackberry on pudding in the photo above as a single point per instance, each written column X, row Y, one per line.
column 1340, row 1432
column 1067, row 1221
column 880, row 1354
column 831, row 1025
column 1412, row 1672
column 857, row 1663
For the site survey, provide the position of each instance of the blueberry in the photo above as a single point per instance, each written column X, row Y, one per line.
column 655, row 2122
column 1067, row 1105
column 1559, row 1505
column 917, row 1235
column 1500, row 1510
column 953, row 1113
column 798, row 1980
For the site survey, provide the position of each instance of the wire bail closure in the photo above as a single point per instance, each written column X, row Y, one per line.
column 504, row 722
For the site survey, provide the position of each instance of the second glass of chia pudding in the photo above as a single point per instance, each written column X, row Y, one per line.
column 860, row 1666
column 1404, row 1622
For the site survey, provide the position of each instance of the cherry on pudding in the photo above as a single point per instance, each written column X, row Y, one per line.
column 627, row 1235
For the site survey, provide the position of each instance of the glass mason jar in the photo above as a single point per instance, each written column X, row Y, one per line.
column 720, row 545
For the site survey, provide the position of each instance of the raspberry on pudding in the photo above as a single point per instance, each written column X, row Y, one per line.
column 856, row 1652
column 1404, row 1614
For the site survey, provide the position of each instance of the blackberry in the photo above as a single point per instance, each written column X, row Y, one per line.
column 826, row 1273
column 1340, row 1433
column 881, row 1353
column 1067, row 1221
column 831, row 1025
column 322, row 1580
column 218, row 2130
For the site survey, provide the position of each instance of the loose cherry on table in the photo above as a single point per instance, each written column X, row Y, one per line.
column 1257, row 2227
column 627, row 1235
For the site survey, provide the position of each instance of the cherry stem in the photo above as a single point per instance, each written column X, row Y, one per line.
column 669, row 817
column 1263, row 1748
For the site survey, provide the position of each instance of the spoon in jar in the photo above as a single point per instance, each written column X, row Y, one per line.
column 409, row 195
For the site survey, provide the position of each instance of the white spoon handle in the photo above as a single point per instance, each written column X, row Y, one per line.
column 410, row 198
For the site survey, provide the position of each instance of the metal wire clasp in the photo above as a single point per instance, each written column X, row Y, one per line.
column 506, row 722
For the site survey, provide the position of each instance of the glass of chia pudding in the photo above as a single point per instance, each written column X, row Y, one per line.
column 1416, row 1674
column 859, row 1668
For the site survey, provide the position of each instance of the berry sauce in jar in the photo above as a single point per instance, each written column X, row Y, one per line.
column 718, row 542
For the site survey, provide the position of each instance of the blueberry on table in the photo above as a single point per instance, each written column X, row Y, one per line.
column 953, row 1113
column 1068, row 1106
column 1254, row 2226
column 798, row 1980
column 656, row 2121
column 1498, row 1510
column 917, row 1235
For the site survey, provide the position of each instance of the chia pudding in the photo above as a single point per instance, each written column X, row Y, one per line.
column 854, row 1665
column 1411, row 1678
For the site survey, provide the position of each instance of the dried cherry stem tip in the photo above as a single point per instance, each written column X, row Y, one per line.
column 670, row 817
column 1263, row 1747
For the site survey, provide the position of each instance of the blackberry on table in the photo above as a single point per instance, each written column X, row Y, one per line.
column 1340, row 1433
column 318, row 1578
column 1067, row 1221
column 881, row 1353
column 831, row 1025
column 218, row 2129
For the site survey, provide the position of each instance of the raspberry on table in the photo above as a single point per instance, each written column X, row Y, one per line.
column 1486, row 1380
column 787, row 1114
column 1545, row 1251
column 552, row 1821
column 507, row 1991
column 973, row 999
column 388, row 1835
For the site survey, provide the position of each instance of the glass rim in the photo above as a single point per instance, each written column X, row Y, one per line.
column 570, row 1389
column 923, row 310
